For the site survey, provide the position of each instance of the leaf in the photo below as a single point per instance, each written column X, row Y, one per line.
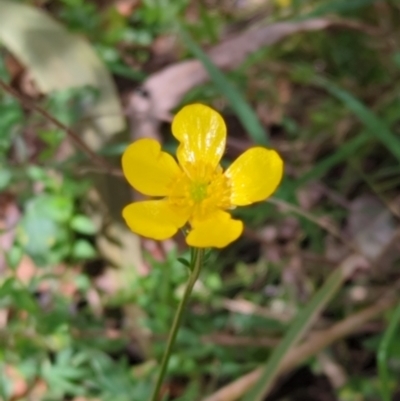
column 56, row 207
column 59, row 60
column 371, row 225
column 184, row 261
column 11, row 115
column 62, row 375
column 43, row 226
column 23, row 299
column 5, row 178
column 82, row 224
column 83, row 250
column 5, row 384
column 38, row 235
column 14, row 256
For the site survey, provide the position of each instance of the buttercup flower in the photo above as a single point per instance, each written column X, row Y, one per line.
column 195, row 190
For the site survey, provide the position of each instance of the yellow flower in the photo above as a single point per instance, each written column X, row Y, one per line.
column 283, row 3
column 196, row 190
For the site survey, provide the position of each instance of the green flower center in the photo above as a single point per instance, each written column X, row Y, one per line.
column 202, row 191
column 198, row 191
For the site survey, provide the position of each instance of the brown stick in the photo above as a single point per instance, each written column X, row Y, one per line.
column 74, row 138
column 299, row 354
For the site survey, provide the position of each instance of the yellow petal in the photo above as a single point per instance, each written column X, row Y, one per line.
column 218, row 231
column 148, row 169
column 154, row 219
column 201, row 132
column 254, row 175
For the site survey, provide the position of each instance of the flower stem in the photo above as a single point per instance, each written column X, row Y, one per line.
column 195, row 264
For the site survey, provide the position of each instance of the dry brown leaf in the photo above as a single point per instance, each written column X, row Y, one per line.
column 371, row 225
column 164, row 90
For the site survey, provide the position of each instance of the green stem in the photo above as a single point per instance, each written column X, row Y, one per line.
column 196, row 264
column 383, row 354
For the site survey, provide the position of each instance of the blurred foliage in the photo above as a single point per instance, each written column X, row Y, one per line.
column 329, row 100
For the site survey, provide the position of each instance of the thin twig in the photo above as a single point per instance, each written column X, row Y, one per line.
column 74, row 138
column 228, row 340
column 243, row 306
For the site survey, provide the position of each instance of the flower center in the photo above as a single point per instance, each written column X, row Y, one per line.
column 201, row 194
column 198, row 191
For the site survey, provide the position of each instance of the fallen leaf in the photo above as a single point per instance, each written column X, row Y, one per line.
column 164, row 90
column 35, row 39
column 371, row 225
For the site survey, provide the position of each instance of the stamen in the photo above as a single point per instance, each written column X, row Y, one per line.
column 200, row 192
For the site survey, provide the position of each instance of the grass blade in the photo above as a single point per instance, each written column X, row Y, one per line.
column 376, row 127
column 243, row 110
column 344, row 152
column 299, row 326
column 383, row 354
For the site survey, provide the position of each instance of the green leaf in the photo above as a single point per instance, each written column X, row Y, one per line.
column 14, row 256
column 82, row 224
column 243, row 110
column 44, row 226
column 83, row 250
column 36, row 173
column 68, row 105
column 383, row 353
column 6, row 389
column 7, row 287
column 11, row 116
column 24, row 300
column 55, row 207
column 184, row 261
column 63, row 375
column 5, row 177
column 38, row 235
